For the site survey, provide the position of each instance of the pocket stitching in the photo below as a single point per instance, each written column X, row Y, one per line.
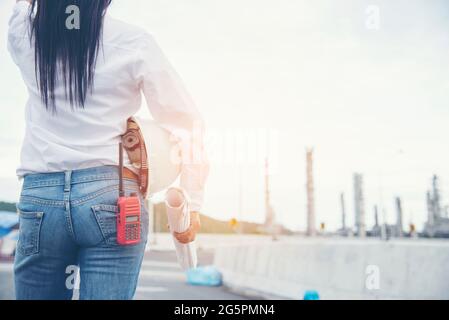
column 30, row 215
column 35, row 248
column 107, row 208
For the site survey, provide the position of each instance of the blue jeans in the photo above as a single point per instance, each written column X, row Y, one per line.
column 68, row 220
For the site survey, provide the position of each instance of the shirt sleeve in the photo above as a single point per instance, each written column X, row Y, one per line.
column 172, row 107
column 18, row 28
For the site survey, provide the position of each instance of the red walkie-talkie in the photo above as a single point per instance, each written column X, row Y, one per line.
column 128, row 218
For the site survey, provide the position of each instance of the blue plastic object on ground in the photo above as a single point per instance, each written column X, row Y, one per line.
column 204, row 276
column 311, row 295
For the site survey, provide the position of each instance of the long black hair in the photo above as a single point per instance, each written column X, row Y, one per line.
column 68, row 51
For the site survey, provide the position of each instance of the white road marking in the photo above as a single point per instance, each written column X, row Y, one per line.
column 151, row 289
column 6, row 267
column 163, row 274
column 166, row 264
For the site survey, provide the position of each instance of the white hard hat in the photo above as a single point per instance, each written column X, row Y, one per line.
column 163, row 169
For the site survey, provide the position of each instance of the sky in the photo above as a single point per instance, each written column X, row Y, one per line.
column 365, row 83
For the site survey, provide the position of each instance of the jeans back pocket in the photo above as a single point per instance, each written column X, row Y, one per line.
column 29, row 232
column 106, row 216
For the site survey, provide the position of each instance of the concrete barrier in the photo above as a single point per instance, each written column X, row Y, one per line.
column 339, row 268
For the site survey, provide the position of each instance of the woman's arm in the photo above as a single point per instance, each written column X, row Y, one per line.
column 17, row 29
column 173, row 108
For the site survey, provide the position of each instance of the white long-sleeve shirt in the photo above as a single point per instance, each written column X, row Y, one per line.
column 129, row 63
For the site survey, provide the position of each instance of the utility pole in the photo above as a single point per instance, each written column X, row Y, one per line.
column 269, row 212
column 343, row 212
column 399, row 229
column 359, row 205
column 383, row 230
column 376, row 216
column 240, row 202
column 311, row 231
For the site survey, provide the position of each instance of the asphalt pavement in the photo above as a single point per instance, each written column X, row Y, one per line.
column 160, row 278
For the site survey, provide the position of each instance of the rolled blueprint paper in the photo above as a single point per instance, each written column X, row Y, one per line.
column 178, row 216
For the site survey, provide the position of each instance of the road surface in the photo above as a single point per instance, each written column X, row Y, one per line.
column 160, row 278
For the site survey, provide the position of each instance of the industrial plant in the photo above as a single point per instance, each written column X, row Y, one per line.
column 437, row 225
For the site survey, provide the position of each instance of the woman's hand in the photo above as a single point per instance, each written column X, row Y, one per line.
column 190, row 234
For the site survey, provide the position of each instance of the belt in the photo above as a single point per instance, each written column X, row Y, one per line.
column 128, row 174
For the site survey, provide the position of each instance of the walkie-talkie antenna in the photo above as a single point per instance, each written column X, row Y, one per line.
column 121, row 191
